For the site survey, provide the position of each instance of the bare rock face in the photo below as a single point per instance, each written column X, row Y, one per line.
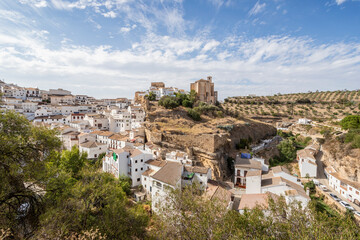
column 211, row 141
column 345, row 160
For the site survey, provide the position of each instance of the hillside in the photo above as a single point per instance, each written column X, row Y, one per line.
column 211, row 140
column 321, row 106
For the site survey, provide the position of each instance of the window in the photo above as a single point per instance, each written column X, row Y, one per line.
column 138, row 179
column 141, row 169
column 144, row 178
column 135, row 161
column 357, row 192
column 200, row 175
column 350, row 188
column 95, row 155
column 201, row 183
column 135, row 169
column 141, row 160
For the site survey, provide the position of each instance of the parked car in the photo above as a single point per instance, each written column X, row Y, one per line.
column 346, row 205
column 357, row 213
column 324, row 188
column 336, row 198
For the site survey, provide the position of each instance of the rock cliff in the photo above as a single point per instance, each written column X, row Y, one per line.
column 345, row 160
column 211, row 140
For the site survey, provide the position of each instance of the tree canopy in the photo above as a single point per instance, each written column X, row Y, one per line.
column 48, row 194
column 350, row 122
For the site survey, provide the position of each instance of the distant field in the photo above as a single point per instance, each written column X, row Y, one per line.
column 314, row 105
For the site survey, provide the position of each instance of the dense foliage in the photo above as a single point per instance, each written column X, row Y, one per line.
column 352, row 124
column 188, row 215
column 180, row 99
column 48, row 194
column 288, row 148
column 151, row 96
column 194, row 108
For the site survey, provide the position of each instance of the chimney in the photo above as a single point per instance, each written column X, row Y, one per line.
column 209, row 78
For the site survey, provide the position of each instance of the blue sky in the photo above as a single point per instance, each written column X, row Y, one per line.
column 111, row 48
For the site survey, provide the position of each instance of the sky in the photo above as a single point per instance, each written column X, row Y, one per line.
column 112, row 48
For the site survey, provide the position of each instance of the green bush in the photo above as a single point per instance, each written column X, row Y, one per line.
column 350, row 122
column 151, row 96
column 195, row 115
column 168, row 102
column 356, row 142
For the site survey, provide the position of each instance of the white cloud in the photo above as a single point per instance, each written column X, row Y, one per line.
column 339, row 2
column 210, row 45
column 127, row 28
column 110, row 14
column 258, row 8
column 263, row 65
column 219, row 3
column 35, row 3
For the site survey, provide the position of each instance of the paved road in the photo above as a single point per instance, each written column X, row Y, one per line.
column 323, row 180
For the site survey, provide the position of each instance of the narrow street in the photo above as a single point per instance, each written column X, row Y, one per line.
column 323, row 180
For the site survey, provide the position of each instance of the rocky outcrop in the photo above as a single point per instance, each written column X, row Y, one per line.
column 345, row 160
column 211, row 141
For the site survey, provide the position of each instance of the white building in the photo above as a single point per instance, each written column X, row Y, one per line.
column 179, row 156
column 66, row 99
column 128, row 162
column 242, row 167
column 51, row 119
column 280, row 171
column 162, row 181
column 29, row 107
column 98, row 121
column 348, row 189
column 304, row 121
column 93, row 149
column 119, row 120
column 195, row 175
column 69, row 137
column 307, row 161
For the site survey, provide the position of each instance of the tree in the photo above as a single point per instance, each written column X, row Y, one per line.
column 168, row 102
column 190, row 215
column 151, row 96
column 195, row 115
column 350, row 122
column 24, row 150
column 287, row 151
column 96, row 201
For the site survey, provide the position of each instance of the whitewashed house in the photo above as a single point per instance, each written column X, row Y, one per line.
column 242, row 167
column 51, row 119
column 280, row 171
column 98, row 121
column 128, row 162
column 163, row 181
column 93, row 149
column 304, row 121
column 162, row 176
column 102, row 136
column 120, row 120
column 348, row 189
column 195, row 175
column 307, row 161
column 179, row 156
